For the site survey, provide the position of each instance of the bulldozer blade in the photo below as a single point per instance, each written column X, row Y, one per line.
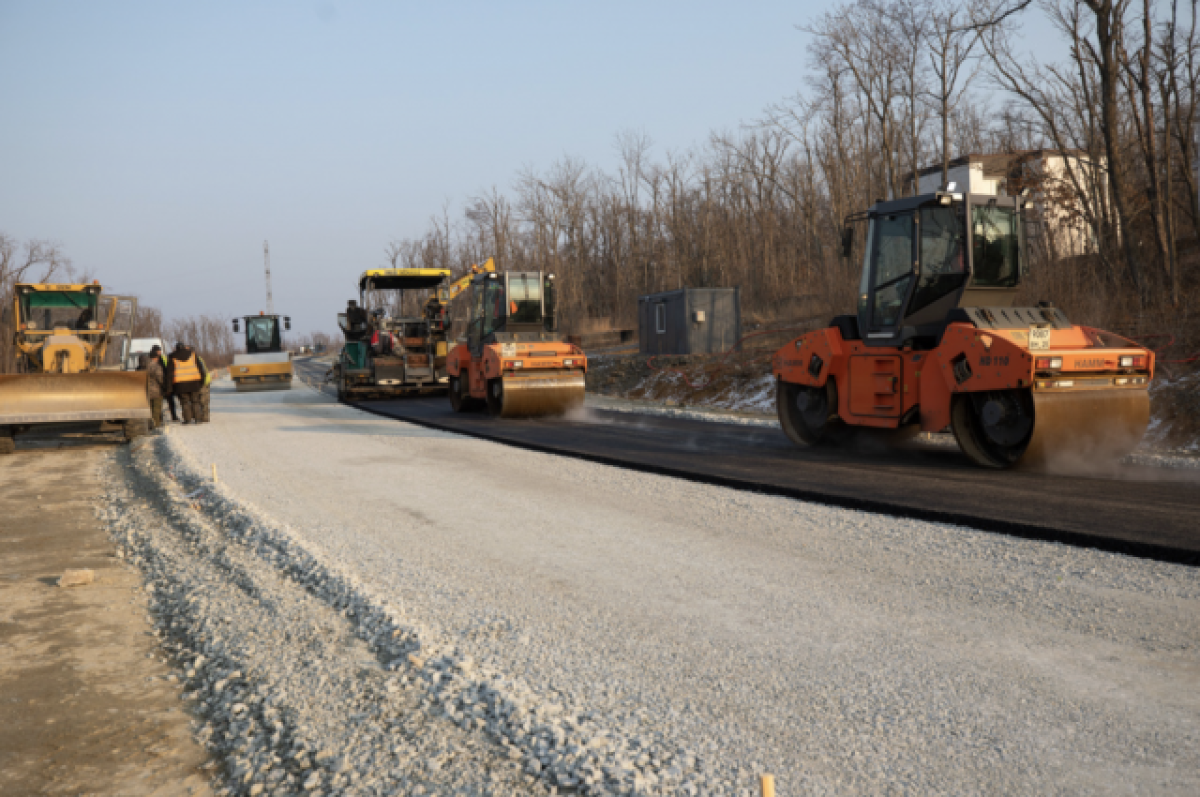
column 1086, row 427
column 535, row 396
column 57, row 398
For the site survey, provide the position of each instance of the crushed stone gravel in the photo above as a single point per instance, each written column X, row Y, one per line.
column 365, row 606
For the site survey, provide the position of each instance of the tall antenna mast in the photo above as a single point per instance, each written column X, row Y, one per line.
column 267, row 264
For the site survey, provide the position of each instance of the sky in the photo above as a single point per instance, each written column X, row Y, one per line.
column 160, row 144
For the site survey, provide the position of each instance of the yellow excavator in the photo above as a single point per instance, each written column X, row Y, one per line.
column 62, row 334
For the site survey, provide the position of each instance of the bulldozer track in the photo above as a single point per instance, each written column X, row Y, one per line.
column 1145, row 512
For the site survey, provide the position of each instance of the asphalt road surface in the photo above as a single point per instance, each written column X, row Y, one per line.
column 1143, row 511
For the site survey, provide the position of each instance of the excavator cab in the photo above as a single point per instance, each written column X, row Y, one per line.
column 926, row 256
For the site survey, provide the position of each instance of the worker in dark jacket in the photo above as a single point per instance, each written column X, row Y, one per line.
column 186, row 374
column 155, row 377
column 205, row 397
column 168, row 394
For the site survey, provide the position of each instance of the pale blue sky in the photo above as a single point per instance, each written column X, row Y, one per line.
column 161, row 143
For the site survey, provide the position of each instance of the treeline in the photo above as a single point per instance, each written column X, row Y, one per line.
column 44, row 261
column 895, row 87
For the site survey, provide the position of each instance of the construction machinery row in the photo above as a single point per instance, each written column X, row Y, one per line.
column 510, row 359
column 937, row 342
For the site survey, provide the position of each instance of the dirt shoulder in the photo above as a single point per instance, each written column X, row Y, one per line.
column 87, row 704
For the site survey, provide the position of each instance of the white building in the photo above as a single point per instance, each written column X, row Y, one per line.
column 1046, row 173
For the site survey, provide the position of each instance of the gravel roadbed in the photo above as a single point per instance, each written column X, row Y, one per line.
column 366, row 606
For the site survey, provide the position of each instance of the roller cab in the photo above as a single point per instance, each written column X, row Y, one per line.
column 937, row 343
column 512, row 360
column 265, row 365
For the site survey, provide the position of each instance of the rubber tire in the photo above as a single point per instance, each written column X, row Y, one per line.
column 458, row 401
column 963, row 422
column 495, row 406
column 135, row 429
column 800, row 432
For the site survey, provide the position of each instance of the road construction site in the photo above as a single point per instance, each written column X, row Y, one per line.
column 364, row 604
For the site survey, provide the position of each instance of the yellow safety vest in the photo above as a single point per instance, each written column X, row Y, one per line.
column 187, row 370
column 207, row 373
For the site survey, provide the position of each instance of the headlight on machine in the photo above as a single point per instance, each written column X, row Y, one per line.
column 517, row 364
column 568, row 363
column 1051, row 363
column 1133, row 361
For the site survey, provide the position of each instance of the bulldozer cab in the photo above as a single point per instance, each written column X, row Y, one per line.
column 83, row 312
column 929, row 254
column 511, row 306
column 263, row 335
column 41, row 309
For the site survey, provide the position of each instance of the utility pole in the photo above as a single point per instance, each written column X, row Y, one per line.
column 267, row 264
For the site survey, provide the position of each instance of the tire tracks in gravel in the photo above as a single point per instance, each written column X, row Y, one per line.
column 302, row 681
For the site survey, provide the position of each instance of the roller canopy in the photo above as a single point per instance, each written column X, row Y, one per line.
column 402, row 279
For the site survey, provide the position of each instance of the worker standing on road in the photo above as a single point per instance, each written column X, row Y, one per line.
column 204, row 392
column 186, row 375
column 168, row 393
column 155, row 377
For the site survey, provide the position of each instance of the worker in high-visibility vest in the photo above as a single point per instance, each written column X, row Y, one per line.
column 204, row 391
column 186, row 374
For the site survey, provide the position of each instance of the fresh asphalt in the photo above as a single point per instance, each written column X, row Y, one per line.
column 1141, row 511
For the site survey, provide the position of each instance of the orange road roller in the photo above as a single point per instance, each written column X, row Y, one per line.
column 937, row 342
column 513, row 360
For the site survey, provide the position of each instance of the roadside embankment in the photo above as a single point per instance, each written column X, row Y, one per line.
column 89, row 703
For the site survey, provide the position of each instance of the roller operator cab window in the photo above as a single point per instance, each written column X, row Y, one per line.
column 943, row 261
column 51, row 310
column 493, row 306
column 892, row 238
column 996, row 247
column 525, row 298
column 262, row 335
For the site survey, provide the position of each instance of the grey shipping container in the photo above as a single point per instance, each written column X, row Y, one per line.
column 690, row 321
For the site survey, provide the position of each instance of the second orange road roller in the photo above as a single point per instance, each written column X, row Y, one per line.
column 939, row 342
column 512, row 360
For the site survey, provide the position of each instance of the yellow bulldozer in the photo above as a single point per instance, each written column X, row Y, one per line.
column 62, row 334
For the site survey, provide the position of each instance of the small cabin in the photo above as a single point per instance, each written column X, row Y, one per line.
column 690, row 321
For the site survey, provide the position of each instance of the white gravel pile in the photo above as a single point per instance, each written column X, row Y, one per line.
column 554, row 623
column 290, row 663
